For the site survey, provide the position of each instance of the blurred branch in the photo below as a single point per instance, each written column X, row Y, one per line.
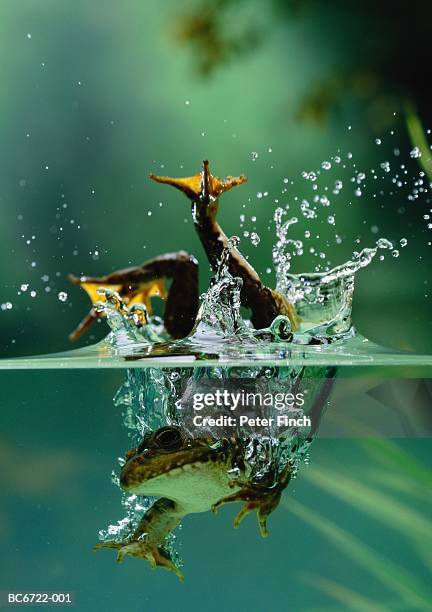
column 380, row 47
column 417, row 134
column 209, row 33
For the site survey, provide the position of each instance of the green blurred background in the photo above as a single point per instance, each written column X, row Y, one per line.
column 97, row 95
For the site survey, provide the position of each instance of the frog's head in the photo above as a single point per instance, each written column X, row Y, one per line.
column 167, row 451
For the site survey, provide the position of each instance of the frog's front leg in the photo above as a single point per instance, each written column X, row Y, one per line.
column 148, row 540
column 257, row 497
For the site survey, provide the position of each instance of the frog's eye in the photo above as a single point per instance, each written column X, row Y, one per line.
column 169, row 438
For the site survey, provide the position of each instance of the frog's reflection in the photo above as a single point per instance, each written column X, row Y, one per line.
column 191, row 475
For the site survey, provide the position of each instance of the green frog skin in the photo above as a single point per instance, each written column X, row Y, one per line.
column 188, row 476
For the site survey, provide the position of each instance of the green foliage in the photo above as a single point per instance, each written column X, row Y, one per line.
column 396, row 485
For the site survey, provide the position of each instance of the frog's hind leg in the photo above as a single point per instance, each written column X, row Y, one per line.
column 204, row 190
column 182, row 302
column 149, row 539
column 85, row 324
column 257, row 497
column 134, row 284
column 155, row 555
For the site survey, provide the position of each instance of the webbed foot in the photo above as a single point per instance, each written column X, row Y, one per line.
column 119, row 296
column 202, row 188
column 256, row 497
column 155, row 555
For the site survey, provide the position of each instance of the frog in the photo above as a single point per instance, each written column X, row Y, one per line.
column 190, row 475
column 139, row 284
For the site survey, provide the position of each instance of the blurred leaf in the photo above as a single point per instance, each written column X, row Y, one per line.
column 380, row 506
column 400, row 484
column 390, row 454
column 424, row 552
column 418, row 139
column 350, row 599
column 394, row 577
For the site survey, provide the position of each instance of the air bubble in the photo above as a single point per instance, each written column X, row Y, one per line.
column 255, row 239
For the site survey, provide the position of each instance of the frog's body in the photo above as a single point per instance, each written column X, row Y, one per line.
column 194, row 476
column 188, row 476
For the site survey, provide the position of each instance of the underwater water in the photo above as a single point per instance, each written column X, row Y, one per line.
column 349, row 491
column 352, row 531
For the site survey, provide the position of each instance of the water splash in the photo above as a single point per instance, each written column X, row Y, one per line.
column 155, row 397
column 220, row 309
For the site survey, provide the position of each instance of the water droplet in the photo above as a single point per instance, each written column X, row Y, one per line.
column 326, row 165
column 62, row 296
column 254, row 155
column 281, row 328
column 378, row 141
column 415, row 153
column 255, row 239
column 403, row 242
